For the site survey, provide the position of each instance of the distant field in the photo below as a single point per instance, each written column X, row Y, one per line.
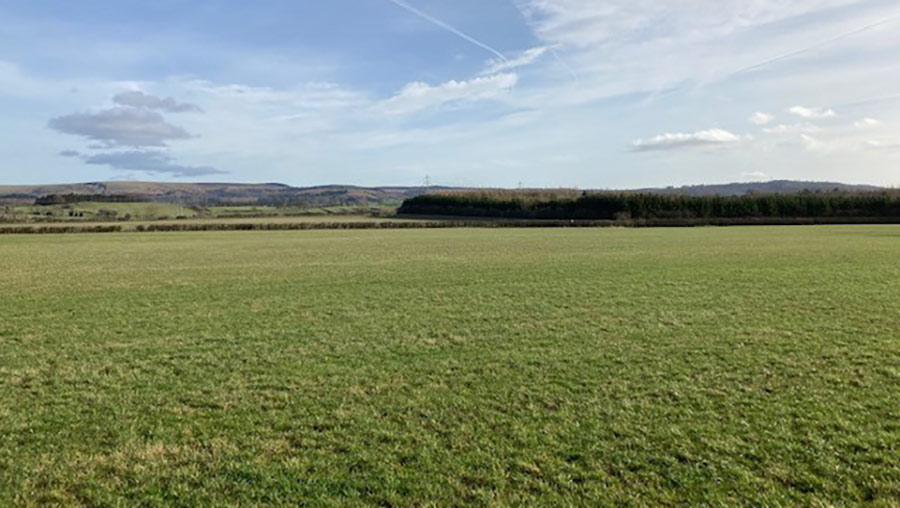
column 130, row 226
column 151, row 211
column 754, row 366
column 88, row 211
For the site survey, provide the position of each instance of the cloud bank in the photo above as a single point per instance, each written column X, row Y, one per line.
column 132, row 124
column 120, row 126
column 149, row 161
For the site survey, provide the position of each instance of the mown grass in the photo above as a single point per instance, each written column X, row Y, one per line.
column 567, row 367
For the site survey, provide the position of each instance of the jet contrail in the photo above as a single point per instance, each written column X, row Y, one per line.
column 816, row 46
column 565, row 64
column 447, row 27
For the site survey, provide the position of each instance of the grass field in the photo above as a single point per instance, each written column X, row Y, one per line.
column 212, row 223
column 552, row 367
column 152, row 211
column 92, row 211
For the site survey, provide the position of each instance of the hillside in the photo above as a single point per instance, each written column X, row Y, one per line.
column 337, row 195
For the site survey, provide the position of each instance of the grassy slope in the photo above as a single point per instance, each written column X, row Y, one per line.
column 755, row 366
column 123, row 187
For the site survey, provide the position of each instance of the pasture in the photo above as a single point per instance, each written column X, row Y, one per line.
column 91, row 212
column 755, row 366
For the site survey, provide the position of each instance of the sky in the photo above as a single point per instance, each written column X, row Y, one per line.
column 596, row 94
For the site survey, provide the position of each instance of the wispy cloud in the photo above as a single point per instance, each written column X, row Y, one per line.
column 149, row 161
column 813, row 144
column 619, row 47
column 874, row 144
column 793, row 128
column 139, row 99
column 418, row 96
column 450, row 28
column 819, row 45
column 527, row 57
column 867, row 123
column 761, row 118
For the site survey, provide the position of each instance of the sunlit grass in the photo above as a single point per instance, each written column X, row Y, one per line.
column 592, row 367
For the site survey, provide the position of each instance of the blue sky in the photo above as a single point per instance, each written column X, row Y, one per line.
column 538, row 93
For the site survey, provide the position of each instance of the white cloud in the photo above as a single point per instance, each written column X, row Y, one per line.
column 527, row 57
column 874, row 144
column 671, row 141
column 756, row 175
column 812, row 113
column 866, row 123
column 418, row 96
column 761, row 118
column 794, row 128
column 305, row 96
column 812, row 144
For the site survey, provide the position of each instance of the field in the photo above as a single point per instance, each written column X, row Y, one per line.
column 211, row 223
column 92, row 212
column 754, row 366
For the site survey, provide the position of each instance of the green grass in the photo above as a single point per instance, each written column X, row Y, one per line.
column 588, row 367
column 133, row 225
column 151, row 211
column 91, row 210
column 288, row 211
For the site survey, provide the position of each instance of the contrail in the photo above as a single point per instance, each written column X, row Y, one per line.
column 575, row 78
column 447, row 27
column 816, row 46
column 868, row 102
column 565, row 64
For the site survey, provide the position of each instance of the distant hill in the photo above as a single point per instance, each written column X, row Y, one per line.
column 210, row 194
column 773, row 187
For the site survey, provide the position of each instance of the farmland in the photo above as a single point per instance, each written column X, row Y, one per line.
column 83, row 212
column 755, row 366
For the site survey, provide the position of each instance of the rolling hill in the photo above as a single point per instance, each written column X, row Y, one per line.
column 221, row 193
column 336, row 195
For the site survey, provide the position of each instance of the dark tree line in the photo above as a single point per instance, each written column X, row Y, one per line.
column 66, row 199
column 625, row 206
